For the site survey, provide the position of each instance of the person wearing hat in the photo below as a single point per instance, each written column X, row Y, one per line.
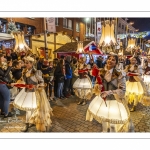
column 32, row 99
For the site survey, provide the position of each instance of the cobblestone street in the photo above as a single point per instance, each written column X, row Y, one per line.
column 70, row 117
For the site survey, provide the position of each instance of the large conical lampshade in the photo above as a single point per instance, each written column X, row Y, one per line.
column 107, row 38
column 131, row 43
column 80, row 48
column 20, row 44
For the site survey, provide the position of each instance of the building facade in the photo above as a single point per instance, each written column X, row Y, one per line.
column 67, row 30
column 124, row 27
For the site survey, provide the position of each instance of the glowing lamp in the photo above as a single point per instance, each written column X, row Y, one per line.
column 80, row 47
column 131, row 44
column 20, row 44
column 115, row 112
column 107, row 38
column 25, row 100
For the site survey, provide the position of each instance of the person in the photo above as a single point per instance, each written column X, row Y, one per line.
column 5, row 84
column 99, row 62
column 59, row 75
column 94, row 73
column 14, row 55
column 8, row 57
column 109, row 107
column 68, row 76
column 47, row 71
column 74, row 76
column 83, row 85
column 32, row 99
column 40, row 62
column 134, row 85
column 16, row 70
column 120, row 65
column 16, row 76
column 22, row 54
column 146, row 97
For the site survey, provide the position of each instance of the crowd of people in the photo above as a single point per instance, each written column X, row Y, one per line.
column 31, row 81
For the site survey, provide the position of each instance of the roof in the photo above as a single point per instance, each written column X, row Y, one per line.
column 89, row 47
column 70, row 47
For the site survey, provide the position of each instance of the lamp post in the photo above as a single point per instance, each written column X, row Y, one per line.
column 87, row 19
column 95, row 29
column 45, row 39
column 130, row 23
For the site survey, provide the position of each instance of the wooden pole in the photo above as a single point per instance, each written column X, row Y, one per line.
column 45, row 39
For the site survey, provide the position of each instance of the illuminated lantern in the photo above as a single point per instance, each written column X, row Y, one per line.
column 131, row 43
column 146, row 98
column 115, row 112
column 20, row 44
column 107, row 38
column 80, row 47
column 134, row 89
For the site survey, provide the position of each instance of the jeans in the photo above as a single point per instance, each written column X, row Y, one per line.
column 60, row 89
column 67, row 86
column 4, row 98
column 93, row 80
column 55, row 88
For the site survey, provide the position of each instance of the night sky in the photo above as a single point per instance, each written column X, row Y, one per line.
column 143, row 24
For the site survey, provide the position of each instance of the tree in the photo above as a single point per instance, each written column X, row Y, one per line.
column 11, row 27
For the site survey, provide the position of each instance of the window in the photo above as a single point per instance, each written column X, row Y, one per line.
column 70, row 24
column 77, row 27
column 122, row 26
column 3, row 26
column 30, row 29
column 65, row 22
column 119, row 24
column 19, row 26
column 56, row 21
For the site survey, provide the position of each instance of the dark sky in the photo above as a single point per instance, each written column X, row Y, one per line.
column 143, row 24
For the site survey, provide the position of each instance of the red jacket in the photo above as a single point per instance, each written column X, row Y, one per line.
column 95, row 71
column 99, row 81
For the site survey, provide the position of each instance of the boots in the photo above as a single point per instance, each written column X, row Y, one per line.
column 133, row 109
column 80, row 102
column 25, row 129
column 84, row 103
column 31, row 125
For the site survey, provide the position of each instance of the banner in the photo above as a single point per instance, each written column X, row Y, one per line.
column 99, row 31
column 51, row 25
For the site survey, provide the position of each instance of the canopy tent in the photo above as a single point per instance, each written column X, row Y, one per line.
column 89, row 47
